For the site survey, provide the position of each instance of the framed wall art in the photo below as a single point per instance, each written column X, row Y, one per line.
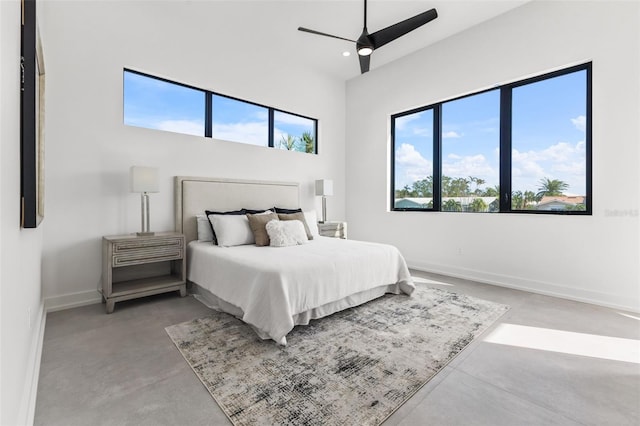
column 32, row 87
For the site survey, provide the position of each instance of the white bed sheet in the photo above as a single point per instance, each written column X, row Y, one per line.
column 272, row 286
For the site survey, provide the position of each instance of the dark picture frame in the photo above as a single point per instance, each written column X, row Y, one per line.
column 31, row 120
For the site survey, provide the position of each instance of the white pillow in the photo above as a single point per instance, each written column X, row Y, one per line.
column 312, row 222
column 204, row 228
column 232, row 229
column 283, row 233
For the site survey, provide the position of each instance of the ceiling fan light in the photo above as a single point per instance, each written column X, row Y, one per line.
column 365, row 51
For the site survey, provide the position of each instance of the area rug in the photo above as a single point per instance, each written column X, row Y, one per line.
column 355, row 367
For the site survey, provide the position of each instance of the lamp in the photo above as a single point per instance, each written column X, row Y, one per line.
column 324, row 187
column 144, row 180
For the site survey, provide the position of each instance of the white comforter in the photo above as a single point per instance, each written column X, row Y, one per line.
column 273, row 284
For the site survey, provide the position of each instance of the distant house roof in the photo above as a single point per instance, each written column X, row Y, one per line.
column 569, row 199
column 559, row 202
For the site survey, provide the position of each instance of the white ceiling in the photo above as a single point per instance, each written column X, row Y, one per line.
column 270, row 27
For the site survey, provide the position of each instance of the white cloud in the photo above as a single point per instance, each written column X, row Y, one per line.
column 470, row 165
column 411, row 165
column 451, row 134
column 407, row 155
column 580, row 122
column 563, row 161
column 558, row 153
column 188, row 127
column 256, row 133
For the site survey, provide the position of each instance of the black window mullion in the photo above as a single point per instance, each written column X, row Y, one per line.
column 505, row 149
column 272, row 128
column 393, row 164
column 437, row 157
column 315, row 141
column 208, row 115
column 588, row 134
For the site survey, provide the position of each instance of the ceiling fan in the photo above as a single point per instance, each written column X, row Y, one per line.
column 367, row 43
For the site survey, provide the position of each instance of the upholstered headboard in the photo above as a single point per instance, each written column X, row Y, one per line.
column 194, row 195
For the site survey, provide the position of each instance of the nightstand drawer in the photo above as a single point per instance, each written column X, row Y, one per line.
column 140, row 244
column 147, row 255
column 333, row 229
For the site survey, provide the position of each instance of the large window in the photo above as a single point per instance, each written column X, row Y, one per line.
column 522, row 147
column 156, row 103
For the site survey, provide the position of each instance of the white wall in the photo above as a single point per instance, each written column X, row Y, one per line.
column 89, row 150
column 21, row 308
column 593, row 258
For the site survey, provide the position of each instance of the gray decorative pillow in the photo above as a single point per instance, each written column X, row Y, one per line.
column 257, row 223
column 297, row 216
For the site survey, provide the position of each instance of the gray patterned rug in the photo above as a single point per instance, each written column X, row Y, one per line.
column 354, row 367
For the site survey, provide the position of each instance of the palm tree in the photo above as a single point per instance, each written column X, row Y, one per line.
column 550, row 187
column 288, row 141
column 478, row 182
column 309, row 142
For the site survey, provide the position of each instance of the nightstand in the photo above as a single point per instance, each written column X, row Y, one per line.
column 333, row 229
column 137, row 266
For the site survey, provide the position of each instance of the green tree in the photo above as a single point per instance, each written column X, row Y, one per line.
column 451, row 205
column 458, row 187
column 288, row 142
column 517, row 200
column 478, row 205
column 405, row 192
column 478, row 182
column 492, row 192
column 309, row 142
column 528, row 198
column 423, row 187
column 549, row 187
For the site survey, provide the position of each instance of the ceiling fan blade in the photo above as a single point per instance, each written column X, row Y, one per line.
column 364, row 63
column 307, row 30
column 386, row 35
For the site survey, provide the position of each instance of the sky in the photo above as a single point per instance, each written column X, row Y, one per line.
column 548, row 128
column 157, row 104
column 548, row 137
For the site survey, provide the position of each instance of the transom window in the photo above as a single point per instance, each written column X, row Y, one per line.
column 160, row 104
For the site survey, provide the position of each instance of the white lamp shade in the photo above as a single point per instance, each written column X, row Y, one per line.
column 144, row 179
column 324, row 187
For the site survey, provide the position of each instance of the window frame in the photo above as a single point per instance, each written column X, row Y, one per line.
column 505, row 144
column 208, row 110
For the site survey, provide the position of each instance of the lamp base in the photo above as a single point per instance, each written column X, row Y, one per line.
column 145, row 234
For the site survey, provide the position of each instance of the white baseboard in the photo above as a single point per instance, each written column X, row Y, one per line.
column 72, row 300
column 548, row 289
column 30, row 391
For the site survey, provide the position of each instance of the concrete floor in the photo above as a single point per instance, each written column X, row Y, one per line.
column 122, row 369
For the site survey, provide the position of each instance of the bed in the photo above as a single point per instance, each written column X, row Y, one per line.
column 274, row 289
